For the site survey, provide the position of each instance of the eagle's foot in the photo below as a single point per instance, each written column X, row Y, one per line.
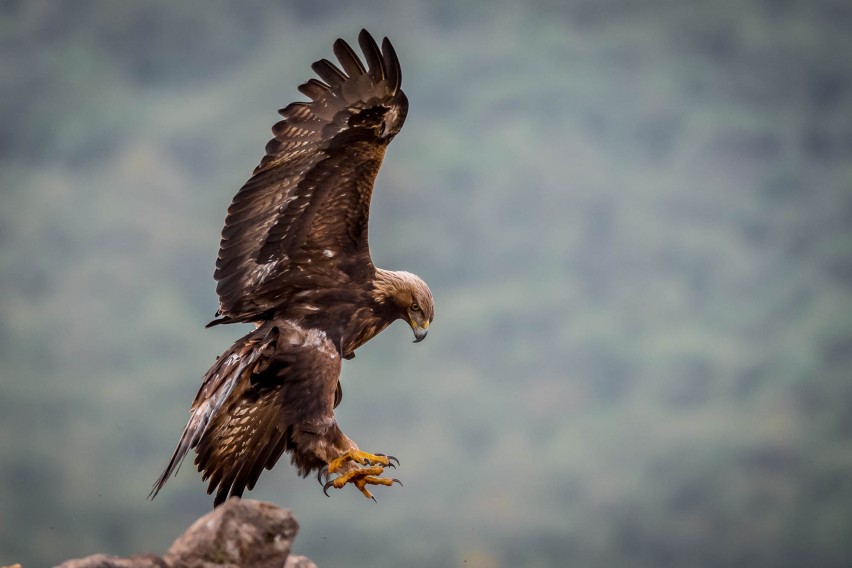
column 360, row 478
column 362, row 458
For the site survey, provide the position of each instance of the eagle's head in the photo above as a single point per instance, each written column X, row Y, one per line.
column 408, row 297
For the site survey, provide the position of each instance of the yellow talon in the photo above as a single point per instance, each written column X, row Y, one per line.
column 360, row 477
column 357, row 456
column 362, row 482
column 360, row 474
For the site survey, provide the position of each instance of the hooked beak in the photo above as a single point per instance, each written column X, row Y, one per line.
column 420, row 332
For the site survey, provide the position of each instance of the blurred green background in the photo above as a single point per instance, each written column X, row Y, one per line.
column 636, row 218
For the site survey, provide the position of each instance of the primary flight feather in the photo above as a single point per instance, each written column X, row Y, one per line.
column 295, row 260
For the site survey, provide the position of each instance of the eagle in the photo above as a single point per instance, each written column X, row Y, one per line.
column 294, row 260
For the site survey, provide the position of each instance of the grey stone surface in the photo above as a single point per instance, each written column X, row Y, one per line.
column 239, row 534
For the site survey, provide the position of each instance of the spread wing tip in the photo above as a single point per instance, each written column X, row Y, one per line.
column 382, row 63
column 393, row 69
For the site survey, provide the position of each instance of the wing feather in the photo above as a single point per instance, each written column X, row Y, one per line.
column 373, row 56
column 217, row 388
column 348, row 59
column 301, row 219
column 391, row 66
column 275, row 379
column 329, row 73
column 313, row 89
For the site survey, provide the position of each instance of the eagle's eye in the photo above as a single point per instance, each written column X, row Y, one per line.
column 415, row 307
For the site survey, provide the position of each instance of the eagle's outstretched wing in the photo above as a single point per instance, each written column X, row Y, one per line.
column 300, row 222
column 273, row 391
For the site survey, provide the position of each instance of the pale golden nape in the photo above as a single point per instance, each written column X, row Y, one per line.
column 411, row 297
column 404, row 288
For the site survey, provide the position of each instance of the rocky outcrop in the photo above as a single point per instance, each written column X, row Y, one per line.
column 239, row 534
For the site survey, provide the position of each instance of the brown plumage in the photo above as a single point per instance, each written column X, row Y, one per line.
column 294, row 259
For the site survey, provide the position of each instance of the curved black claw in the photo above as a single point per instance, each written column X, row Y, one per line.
column 391, row 459
column 322, row 474
column 395, row 480
column 325, row 488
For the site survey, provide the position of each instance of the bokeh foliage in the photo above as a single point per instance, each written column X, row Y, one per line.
column 636, row 218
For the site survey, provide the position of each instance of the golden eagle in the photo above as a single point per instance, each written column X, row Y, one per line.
column 294, row 259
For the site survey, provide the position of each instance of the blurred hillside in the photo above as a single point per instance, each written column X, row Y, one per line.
column 636, row 219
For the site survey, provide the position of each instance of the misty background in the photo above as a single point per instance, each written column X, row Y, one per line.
column 635, row 217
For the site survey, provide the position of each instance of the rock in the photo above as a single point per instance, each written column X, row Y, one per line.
column 108, row 561
column 299, row 562
column 238, row 534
